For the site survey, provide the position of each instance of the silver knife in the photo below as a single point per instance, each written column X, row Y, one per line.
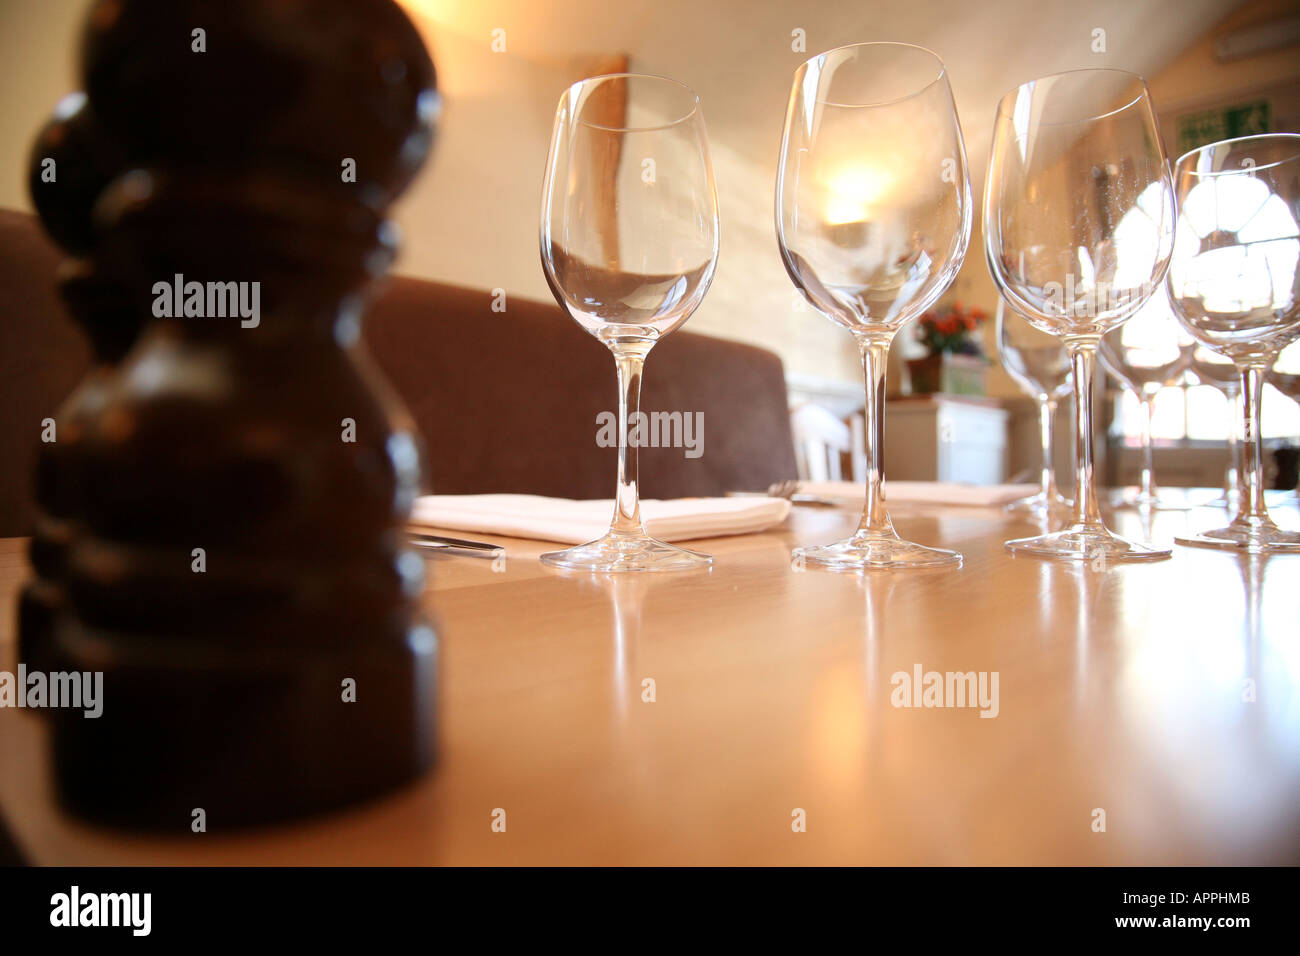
column 459, row 546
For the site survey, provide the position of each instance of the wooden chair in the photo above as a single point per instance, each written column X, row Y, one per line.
column 820, row 438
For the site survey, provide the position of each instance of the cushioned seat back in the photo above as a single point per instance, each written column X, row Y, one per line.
column 508, row 401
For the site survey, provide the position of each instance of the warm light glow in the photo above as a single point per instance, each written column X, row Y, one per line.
column 852, row 192
column 439, row 11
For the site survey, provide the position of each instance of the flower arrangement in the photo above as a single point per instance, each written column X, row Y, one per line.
column 948, row 329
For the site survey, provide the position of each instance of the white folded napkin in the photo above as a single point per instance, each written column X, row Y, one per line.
column 931, row 492
column 576, row 522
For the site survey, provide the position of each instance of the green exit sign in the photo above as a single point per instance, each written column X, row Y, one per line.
column 1210, row 126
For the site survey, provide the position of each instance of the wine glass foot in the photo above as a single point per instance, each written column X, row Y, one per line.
column 1252, row 537
column 626, row 552
column 1135, row 500
column 1227, row 502
column 1095, row 545
column 874, row 552
column 1279, row 497
column 1039, row 506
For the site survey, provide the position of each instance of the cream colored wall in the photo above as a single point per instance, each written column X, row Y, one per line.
column 471, row 218
column 752, row 298
column 1198, row 74
column 37, row 47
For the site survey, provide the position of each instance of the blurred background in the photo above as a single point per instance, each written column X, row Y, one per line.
column 1216, row 68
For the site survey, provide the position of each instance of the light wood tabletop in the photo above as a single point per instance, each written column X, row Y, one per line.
column 1145, row 714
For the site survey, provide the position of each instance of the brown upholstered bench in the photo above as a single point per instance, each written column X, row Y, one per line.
column 506, row 401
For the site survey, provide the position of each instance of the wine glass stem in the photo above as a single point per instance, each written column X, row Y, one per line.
column 1083, row 360
column 875, row 361
column 1251, row 507
column 1233, row 476
column 627, row 504
column 1046, row 417
column 1148, row 491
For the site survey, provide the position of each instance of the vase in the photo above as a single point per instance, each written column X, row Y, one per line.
column 926, row 373
column 942, row 372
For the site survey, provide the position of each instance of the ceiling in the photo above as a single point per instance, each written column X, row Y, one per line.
column 737, row 53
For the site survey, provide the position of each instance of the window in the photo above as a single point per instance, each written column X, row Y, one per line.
column 1259, row 274
column 1196, row 412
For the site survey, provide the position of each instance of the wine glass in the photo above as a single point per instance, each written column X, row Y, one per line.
column 1212, row 369
column 1285, row 373
column 629, row 242
column 1148, row 352
column 1078, row 228
column 1233, row 283
column 873, row 219
column 1039, row 364
column 1285, row 377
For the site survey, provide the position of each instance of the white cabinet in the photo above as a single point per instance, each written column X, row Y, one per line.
column 946, row 438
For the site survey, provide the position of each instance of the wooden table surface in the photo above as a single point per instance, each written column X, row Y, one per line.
column 1120, row 689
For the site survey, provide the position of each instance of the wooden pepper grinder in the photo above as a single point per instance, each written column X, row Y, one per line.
column 223, row 509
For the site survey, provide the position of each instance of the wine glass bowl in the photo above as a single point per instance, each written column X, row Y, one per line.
column 629, row 245
column 873, row 218
column 1234, row 282
column 1285, row 377
column 1078, row 204
column 1147, row 353
column 1214, row 370
column 873, row 214
column 1078, row 230
column 1038, row 363
column 1150, row 351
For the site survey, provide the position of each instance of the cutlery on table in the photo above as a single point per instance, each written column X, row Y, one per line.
column 457, row 546
column 789, row 490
